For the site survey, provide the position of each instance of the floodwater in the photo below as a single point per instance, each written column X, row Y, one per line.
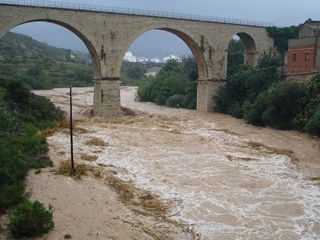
column 227, row 179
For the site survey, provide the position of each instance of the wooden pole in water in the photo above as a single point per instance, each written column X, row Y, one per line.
column 71, row 133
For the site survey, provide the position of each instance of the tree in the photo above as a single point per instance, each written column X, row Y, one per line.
column 245, row 85
column 235, row 56
column 282, row 35
column 276, row 107
column 174, row 84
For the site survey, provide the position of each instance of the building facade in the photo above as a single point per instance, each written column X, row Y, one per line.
column 303, row 54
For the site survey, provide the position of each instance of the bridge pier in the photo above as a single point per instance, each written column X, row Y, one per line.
column 205, row 91
column 106, row 99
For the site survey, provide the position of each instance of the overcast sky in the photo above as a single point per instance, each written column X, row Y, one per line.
column 278, row 12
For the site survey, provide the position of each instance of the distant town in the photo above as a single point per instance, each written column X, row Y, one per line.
column 130, row 57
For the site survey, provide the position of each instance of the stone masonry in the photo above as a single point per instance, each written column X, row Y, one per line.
column 109, row 35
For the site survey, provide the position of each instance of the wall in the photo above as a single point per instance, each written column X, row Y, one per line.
column 299, row 48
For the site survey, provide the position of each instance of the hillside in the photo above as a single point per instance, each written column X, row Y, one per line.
column 42, row 66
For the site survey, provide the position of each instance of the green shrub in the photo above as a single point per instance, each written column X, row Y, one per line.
column 253, row 111
column 11, row 194
column 173, row 79
column 175, row 101
column 18, row 92
column 21, row 145
column 236, row 51
column 144, row 89
column 276, row 107
column 29, row 219
column 313, row 126
column 236, row 110
column 220, row 99
column 190, row 101
column 309, row 104
column 245, row 85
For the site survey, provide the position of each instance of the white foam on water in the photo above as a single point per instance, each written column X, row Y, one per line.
column 244, row 211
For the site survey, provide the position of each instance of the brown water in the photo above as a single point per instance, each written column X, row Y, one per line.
column 226, row 178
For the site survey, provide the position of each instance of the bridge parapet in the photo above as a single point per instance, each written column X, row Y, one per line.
column 132, row 11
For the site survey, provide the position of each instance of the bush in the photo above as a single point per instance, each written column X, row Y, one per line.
column 21, row 145
column 18, row 92
column 245, row 85
column 309, row 104
column 175, row 101
column 220, row 99
column 236, row 51
column 173, row 79
column 10, row 195
column 144, row 89
column 313, row 126
column 29, row 219
column 236, row 110
column 283, row 104
column 276, row 107
column 253, row 111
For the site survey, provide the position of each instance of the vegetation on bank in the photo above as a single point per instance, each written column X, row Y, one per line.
column 22, row 147
column 45, row 67
column 132, row 73
column 260, row 97
column 175, row 85
column 29, row 219
column 42, row 66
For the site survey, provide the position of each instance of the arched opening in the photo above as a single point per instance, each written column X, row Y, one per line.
column 45, row 59
column 241, row 50
column 171, row 63
column 250, row 48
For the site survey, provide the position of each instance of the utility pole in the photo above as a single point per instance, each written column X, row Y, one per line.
column 71, row 133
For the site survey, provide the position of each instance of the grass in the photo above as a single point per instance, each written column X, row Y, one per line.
column 152, row 205
column 89, row 158
column 140, row 201
column 128, row 111
column 227, row 131
column 67, row 236
column 124, row 189
column 315, row 178
column 271, row 150
column 64, row 125
column 96, row 142
column 66, row 170
column 59, row 125
column 233, row 158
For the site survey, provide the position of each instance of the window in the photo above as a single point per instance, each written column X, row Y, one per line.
column 316, row 33
column 306, row 57
column 294, row 57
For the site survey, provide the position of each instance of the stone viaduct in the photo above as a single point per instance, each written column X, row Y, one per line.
column 109, row 32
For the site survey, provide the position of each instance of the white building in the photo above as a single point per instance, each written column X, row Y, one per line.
column 174, row 57
column 130, row 57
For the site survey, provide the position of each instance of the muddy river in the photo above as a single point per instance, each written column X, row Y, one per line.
column 226, row 179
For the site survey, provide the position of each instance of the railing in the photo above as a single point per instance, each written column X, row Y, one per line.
column 130, row 11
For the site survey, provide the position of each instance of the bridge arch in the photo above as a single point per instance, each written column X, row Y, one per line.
column 184, row 35
column 250, row 47
column 71, row 27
